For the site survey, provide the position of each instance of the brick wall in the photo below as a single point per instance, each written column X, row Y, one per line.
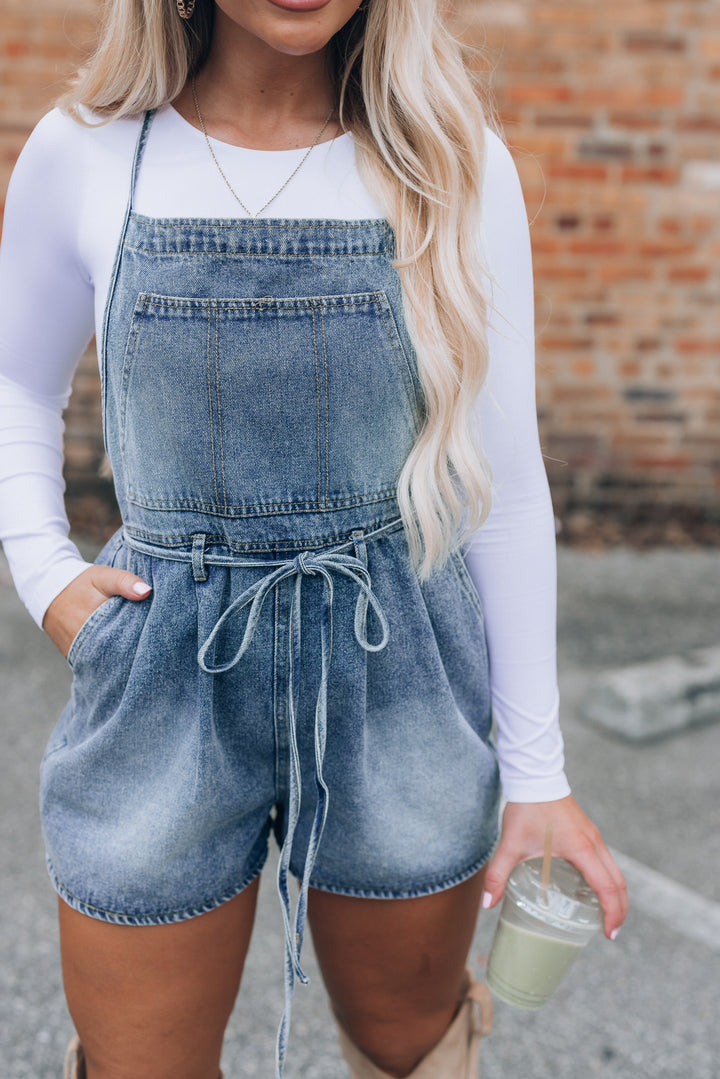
column 612, row 111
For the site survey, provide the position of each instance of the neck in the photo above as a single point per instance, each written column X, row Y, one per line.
column 255, row 96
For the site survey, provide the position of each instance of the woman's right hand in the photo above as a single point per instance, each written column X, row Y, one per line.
column 90, row 589
column 575, row 838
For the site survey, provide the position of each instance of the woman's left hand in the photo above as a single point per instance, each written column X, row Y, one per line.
column 575, row 838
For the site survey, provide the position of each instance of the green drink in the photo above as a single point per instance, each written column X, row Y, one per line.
column 540, row 932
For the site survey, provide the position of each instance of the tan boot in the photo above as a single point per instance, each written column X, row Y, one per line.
column 456, row 1055
column 75, row 1061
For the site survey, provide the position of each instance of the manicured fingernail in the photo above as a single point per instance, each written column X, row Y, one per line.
column 141, row 589
column 613, row 935
column 486, row 900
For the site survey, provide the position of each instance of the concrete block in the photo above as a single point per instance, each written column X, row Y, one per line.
column 650, row 700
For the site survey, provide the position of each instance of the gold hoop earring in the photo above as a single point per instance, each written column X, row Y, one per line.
column 185, row 8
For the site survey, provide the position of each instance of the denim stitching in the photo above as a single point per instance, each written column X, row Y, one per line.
column 397, row 347
column 430, row 888
column 159, row 919
column 210, row 406
column 139, row 148
column 253, row 306
column 219, row 409
column 244, row 255
column 327, row 414
column 260, row 509
column 280, row 223
column 466, row 581
column 317, row 402
column 128, row 361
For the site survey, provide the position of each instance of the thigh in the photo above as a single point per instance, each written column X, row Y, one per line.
column 394, row 968
column 152, row 1002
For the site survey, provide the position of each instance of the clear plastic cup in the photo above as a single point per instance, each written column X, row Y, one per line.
column 539, row 936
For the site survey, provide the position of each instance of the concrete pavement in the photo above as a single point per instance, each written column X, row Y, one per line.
column 642, row 1008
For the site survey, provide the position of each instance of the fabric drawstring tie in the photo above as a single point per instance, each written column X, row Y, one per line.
column 303, row 565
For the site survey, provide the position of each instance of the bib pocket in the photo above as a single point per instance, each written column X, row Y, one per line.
column 251, row 406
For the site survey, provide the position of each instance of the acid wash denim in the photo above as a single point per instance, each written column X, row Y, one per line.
column 289, row 672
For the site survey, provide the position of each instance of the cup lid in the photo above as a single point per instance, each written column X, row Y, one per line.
column 570, row 902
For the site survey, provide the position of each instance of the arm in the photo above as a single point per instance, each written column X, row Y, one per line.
column 45, row 323
column 512, row 557
column 512, row 562
column 46, row 319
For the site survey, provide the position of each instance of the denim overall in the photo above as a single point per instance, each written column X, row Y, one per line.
column 289, row 671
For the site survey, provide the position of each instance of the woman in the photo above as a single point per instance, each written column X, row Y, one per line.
column 284, row 635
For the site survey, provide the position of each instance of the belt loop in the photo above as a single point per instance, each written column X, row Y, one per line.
column 198, row 557
column 358, row 539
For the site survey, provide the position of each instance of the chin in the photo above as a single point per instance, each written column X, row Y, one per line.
column 300, row 43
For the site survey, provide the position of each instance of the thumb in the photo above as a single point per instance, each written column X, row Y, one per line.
column 119, row 582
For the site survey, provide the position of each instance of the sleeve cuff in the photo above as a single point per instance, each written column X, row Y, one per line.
column 38, row 592
column 548, row 789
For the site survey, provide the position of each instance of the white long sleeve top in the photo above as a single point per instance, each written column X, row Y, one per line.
column 64, row 213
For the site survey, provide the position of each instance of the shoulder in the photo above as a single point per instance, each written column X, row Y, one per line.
column 501, row 182
column 68, row 146
column 504, row 233
column 503, row 215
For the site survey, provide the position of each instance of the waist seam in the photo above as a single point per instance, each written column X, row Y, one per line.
column 229, row 557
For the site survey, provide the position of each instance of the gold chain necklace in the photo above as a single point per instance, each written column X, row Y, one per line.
column 232, row 190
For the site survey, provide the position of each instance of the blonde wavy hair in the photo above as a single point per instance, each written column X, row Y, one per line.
column 418, row 121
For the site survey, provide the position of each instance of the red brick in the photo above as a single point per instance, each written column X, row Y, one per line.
column 670, row 463
column 709, row 46
column 586, row 368
column 658, row 249
column 647, row 344
column 639, row 41
column 564, row 14
column 556, row 272
column 602, row 318
column 627, row 271
column 652, row 174
column 698, row 344
column 579, row 171
column 703, row 122
column 566, row 344
column 598, row 247
column 641, row 121
column 535, row 94
column 627, row 97
column 689, row 273
column 563, row 120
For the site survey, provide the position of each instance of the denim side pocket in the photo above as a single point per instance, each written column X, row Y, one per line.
column 91, row 623
column 458, row 563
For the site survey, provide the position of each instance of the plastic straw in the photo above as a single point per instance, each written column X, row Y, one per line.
column 547, row 863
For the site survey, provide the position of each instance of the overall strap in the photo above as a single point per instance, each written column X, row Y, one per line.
column 137, row 158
